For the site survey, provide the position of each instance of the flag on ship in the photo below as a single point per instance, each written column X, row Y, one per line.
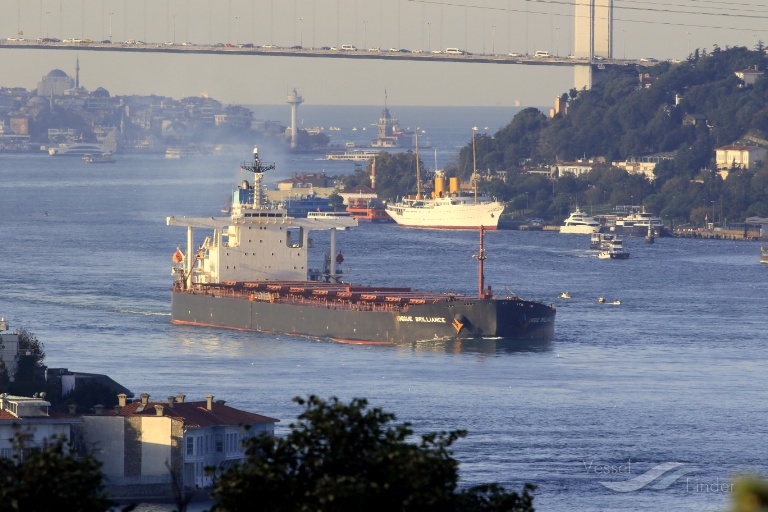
column 178, row 256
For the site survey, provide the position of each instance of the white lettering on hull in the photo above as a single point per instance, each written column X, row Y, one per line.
column 423, row 319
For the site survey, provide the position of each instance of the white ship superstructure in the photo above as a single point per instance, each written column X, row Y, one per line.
column 452, row 212
column 579, row 223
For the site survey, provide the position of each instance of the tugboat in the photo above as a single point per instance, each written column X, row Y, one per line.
column 253, row 273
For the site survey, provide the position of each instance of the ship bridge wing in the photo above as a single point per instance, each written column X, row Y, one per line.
column 316, row 221
column 199, row 222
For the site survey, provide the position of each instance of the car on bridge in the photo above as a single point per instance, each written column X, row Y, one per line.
column 515, row 54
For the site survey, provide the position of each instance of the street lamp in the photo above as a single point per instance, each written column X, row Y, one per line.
column 557, row 41
column 493, row 39
column 47, row 21
column 237, row 29
column 110, row 25
column 365, row 34
column 429, row 36
column 689, row 43
column 301, row 32
column 713, row 215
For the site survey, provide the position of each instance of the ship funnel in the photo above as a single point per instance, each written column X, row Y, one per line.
column 439, row 186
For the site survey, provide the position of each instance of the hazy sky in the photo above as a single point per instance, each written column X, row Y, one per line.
column 661, row 29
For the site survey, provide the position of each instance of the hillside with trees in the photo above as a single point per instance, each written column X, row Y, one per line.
column 630, row 113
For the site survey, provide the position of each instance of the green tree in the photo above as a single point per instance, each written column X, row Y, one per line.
column 31, row 358
column 48, row 478
column 347, row 457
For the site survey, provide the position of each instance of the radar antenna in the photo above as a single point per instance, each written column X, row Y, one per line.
column 258, row 169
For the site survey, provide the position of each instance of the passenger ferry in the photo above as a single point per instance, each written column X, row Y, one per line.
column 80, row 149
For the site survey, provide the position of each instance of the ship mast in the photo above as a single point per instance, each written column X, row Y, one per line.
column 258, row 169
column 480, row 256
column 474, row 162
column 418, row 172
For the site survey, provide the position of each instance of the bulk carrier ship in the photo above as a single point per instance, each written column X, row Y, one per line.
column 252, row 273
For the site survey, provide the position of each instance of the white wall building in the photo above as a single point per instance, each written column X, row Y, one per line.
column 739, row 156
column 31, row 415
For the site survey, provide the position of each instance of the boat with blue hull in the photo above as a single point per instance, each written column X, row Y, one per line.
column 253, row 273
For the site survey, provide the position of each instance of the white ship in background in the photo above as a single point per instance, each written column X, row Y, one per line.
column 447, row 209
column 79, row 149
column 579, row 223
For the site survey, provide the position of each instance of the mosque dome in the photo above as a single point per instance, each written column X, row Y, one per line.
column 100, row 93
column 56, row 73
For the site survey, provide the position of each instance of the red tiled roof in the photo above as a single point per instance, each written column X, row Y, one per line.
column 360, row 189
column 195, row 414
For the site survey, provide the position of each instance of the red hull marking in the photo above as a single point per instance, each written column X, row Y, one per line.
column 448, row 227
column 348, row 342
column 361, row 342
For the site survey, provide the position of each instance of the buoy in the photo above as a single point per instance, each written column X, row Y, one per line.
column 600, row 299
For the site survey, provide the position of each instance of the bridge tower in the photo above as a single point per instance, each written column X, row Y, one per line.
column 593, row 37
column 294, row 100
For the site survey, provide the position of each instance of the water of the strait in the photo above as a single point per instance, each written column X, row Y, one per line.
column 675, row 374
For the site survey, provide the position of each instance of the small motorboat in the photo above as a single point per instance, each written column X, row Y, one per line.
column 601, row 299
column 565, row 295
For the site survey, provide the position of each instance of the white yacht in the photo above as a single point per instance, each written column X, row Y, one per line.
column 580, row 223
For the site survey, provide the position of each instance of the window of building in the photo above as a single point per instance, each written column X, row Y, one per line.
column 190, row 445
column 219, row 443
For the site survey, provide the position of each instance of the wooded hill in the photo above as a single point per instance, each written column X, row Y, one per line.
column 623, row 117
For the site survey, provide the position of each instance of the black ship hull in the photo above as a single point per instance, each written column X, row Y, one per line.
column 512, row 318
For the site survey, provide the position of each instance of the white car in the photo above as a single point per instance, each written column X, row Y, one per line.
column 648, row 59
column 437, row 51
column 515, row 54
column 374, row 49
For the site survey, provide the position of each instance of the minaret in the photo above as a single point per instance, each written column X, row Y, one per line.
column 77, row 73
column 294, row 100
